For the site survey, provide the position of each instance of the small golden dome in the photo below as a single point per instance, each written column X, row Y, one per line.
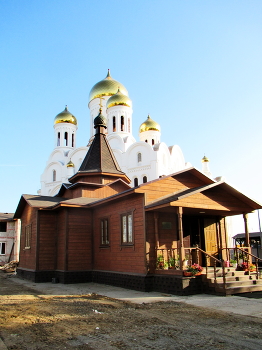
column 119, row 99
column 70, row 164
column 205, row 159
column 149, row 124
column 106, row 87
column 65, row 117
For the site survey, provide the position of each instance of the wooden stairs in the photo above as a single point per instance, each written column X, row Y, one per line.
column 236, row 282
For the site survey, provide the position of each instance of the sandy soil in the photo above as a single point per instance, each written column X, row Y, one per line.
column 32, row 321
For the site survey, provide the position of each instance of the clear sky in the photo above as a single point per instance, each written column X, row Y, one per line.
column 195, row 66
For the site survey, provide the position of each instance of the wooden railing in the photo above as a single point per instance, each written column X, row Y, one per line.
column 242, row 255
column 167, row 258
column 215, row 261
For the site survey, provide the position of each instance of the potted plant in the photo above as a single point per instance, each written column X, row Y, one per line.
column 193, row 270
column 252, row 267
column 171, row 263
column 248, row 267
column 160, row 262
column 233, row 263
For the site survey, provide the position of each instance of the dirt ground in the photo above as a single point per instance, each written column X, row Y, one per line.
column 30, row 321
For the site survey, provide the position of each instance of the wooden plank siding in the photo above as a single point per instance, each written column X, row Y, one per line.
column 47, row 240
column 27, row 258
column 95, row 191
column 215, row 199
column 61, row 238
column 79, row 239
column 118, row 257
column 166, row 186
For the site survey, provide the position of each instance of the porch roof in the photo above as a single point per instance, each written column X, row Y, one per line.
column 217, row 198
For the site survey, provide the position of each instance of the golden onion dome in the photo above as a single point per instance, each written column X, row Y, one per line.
column 149, row 124
column 119, row 99
column 107, row 87
column 65, row 117
column 70, row 164
column 205, row 159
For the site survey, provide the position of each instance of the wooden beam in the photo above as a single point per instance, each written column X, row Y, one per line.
column 245, row 217
column 156, row 229
column 181, row 237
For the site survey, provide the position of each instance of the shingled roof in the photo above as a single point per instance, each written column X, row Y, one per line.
column 100, row 158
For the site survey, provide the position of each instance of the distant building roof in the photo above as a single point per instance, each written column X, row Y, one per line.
column 6, row 216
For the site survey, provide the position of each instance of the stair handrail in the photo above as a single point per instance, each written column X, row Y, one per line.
column 215, row 261
column 250, row 255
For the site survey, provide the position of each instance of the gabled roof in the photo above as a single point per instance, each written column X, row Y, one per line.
column 182, row 194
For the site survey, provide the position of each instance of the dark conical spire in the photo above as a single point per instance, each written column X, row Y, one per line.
column 100, row 157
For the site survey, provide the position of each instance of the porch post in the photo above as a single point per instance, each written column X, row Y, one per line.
column 156, row 229
column 180, row 235
column 245, row 216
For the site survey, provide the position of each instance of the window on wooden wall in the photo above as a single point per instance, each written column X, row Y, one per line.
column 3, row 226
column 104, row 232
column 28, row 234
column 127, row 228
column 2, row 248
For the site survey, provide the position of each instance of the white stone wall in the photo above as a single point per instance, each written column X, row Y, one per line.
column 9, row 237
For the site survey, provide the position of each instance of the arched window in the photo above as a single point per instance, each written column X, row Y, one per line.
column 153, row 141
column 54, row 175
column 114, row 123
column 129, row 125
column 122, row 123
column 58, row 139
column 66, row 139
column 139, row 157
column 73, row 140
column 144, row 179
column 135, row 181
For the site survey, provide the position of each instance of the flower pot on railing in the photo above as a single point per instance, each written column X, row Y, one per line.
column 226, row 263
column 187, row 274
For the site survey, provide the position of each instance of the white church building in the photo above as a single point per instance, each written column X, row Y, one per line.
column 142, row 161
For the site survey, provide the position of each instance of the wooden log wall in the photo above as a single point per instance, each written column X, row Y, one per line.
column 118, row 257
column 27, row 256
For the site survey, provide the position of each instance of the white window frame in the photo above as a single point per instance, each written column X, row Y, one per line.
column 127, row 228
column 28, row 236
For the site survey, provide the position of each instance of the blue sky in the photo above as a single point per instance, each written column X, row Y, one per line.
column 195, row 66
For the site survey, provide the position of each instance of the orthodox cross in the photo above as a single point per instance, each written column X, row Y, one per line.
column 100, row 104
